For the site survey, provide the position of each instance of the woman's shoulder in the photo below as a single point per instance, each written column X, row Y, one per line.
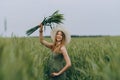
column 63, row 48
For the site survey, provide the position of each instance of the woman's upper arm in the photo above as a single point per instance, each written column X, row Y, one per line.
column 47, row 44
column 66, row 56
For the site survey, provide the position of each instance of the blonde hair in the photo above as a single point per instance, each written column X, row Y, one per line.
column 56, row 48
column 62, row 29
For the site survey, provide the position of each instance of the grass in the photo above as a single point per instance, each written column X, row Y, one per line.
column 92, row 58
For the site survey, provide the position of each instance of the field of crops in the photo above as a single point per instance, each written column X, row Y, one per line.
column 95, row 58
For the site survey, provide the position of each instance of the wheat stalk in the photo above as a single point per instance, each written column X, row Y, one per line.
column 48, row 21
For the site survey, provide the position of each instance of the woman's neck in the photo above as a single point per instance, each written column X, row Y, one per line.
column 58, row 42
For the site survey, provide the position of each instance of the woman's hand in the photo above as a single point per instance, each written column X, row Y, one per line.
column 40, row 25
column 54, row 74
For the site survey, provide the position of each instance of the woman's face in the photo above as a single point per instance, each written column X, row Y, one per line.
column 59, row 36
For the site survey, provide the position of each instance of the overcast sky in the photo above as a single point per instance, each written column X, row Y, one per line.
column 82, row 17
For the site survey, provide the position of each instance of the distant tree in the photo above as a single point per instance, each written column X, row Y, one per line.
column 5, row 24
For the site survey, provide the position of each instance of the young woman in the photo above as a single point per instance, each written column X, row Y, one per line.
column 59, row 60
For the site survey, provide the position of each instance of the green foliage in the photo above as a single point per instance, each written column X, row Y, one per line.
column 48, row 21
column 92, row 58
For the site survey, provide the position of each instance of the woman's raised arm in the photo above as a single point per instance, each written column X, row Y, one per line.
column 42, row 41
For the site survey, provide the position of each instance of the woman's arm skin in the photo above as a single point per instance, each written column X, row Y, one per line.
column 67, row 60
column 42, row 41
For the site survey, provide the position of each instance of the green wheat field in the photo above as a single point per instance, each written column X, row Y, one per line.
column 93, row 58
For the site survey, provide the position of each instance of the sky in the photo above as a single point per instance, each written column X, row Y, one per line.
column 82, row 17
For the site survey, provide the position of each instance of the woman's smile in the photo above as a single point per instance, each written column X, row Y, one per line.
column 59, row 36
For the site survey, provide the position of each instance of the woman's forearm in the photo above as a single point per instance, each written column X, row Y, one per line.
column 41, row 37
column 41, row 34
column 64, row 69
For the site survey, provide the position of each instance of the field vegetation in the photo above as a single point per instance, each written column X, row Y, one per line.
column 93, row 58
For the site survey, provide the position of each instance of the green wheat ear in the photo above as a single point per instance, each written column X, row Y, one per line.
column 48, row 21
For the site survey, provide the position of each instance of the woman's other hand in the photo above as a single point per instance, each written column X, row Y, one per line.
column 54, row 74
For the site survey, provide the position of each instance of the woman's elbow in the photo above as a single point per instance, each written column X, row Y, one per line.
column 69, row 64
column 41, row 41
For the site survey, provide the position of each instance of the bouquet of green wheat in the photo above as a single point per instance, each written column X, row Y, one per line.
column 48, row 21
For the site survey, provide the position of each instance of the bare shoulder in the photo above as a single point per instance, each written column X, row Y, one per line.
column 63, row 50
